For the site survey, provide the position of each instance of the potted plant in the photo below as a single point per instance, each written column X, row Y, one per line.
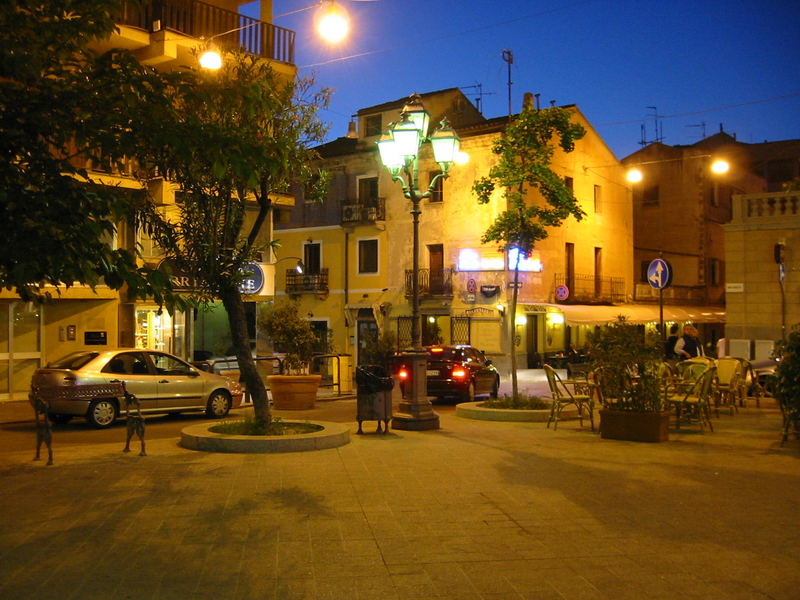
column 628, row 362
column 295, row 388
column 786, row 383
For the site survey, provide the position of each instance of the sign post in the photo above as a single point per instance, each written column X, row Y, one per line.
column 659, row 276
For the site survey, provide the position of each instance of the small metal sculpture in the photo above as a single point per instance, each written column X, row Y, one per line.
column 134, row 421
column 44, row 431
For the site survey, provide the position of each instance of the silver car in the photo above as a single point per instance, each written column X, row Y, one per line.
column 163, row 383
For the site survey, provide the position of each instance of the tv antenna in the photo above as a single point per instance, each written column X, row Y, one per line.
column 508, row 57
column 702, row 126
column 479, row 94
column 658, row 128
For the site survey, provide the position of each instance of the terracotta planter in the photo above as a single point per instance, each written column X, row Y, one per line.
column 293, row 392
column 634, row 426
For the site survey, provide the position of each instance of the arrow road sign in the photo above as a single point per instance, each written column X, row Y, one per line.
column 659, row 274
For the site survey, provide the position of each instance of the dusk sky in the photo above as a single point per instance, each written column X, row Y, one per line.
column 700, row 63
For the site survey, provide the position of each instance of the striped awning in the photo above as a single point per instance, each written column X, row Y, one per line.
column 585, row 314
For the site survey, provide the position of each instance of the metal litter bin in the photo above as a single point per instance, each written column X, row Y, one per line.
column 374, row 395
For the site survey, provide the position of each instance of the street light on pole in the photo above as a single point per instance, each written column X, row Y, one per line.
column 399, row 149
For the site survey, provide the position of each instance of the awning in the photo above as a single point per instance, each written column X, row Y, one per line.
column 584, row 314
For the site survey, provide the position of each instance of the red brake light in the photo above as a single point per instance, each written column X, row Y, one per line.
column 437, row 349
column 459, row 373
column 403, row 373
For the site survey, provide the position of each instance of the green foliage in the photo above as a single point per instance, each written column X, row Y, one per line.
column 254, row 427
column 55, row 222
column 787, row 374
column 628, row 362
column 289, row 333
column 525, row 154
column 380, row 349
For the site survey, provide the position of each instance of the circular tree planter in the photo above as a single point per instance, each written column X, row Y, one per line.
column 474, row 410
column 293, row 392
column 199, row 437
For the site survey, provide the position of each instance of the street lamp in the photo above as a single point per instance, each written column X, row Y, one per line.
column 399, row 149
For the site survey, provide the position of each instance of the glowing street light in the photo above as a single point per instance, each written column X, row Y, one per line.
column 399, row 149
column 720, row 166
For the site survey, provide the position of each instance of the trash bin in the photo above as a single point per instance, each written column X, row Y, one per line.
column 374, row 395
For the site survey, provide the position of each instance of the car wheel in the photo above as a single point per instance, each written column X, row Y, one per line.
column 60, row 419
column 102, row 413
column 218, row 404
column 495, row 388
column 469, row 393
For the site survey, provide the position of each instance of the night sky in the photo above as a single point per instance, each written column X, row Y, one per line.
column 699, row 63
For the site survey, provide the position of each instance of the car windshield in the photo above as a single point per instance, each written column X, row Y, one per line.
column 73, row 361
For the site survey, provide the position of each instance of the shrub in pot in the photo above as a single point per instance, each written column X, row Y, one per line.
column 628, row 363
column 787, row 382
column 292, row 335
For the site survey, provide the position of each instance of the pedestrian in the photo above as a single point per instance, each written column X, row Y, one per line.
column 669, row 345
column 688, row 345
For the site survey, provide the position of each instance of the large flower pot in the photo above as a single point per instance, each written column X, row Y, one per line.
column 634, row 426
column 293, row 392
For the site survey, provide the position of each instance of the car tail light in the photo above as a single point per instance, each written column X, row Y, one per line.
column 459, row 373
column 437, row 349
column 403, row 374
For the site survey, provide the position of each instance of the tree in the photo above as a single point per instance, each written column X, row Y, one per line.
column 230, row 140
column 525, row 153
column 55, row 221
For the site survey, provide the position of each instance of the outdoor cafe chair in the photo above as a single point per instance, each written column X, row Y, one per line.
column 694, row 401
column 729, row 384
column 563, row 396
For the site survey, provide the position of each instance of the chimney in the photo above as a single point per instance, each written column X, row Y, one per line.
column 351, row 130
column 527, row 101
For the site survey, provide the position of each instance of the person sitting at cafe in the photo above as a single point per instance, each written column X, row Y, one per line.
column 688, row 345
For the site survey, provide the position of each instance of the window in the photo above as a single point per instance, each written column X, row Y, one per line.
column 368, row 191
column 312, row 258
column 647, row 196
column 437, row 193
column 372, row 125
column 367, row 256
column 569, row 265
column 570, row 183
column 598, row 271
column 715, row 271
column 598, row 205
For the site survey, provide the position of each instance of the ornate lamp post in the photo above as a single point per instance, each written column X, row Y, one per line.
column 399, row 149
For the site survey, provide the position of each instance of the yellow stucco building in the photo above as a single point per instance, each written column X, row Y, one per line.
column 357, row 246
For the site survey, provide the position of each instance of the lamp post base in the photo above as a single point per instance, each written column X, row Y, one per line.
column 416, row 412
column 415, row 417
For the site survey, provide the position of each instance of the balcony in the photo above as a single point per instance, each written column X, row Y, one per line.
column 770, row 207
column 306, row 283
column 364, row 212
column 588, row 289
column 198, row 20
column 432, row 282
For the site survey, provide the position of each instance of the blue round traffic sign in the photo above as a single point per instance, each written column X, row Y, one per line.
column 659, row 274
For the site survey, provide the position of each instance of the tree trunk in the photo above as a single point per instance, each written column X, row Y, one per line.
column 232, row 300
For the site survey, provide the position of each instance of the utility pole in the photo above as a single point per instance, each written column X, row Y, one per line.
column 508, row 56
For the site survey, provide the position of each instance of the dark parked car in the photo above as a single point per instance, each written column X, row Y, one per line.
column 461, row 372
column 163, row 383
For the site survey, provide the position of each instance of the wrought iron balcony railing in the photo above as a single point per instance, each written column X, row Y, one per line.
column 432, row 282
column 588, row 289
column 200, row 20
column 369, row 211
column 306, row 283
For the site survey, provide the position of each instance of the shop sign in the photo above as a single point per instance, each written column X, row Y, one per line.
column 181, row 282
column 253, row 279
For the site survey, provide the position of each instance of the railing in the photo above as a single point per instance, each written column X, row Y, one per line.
column 200, row 20
column 772, row 205
column 299, row 283
column 588, row 289
column 364, row 212
column 432, row 282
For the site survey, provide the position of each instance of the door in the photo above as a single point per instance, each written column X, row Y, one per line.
column 367, row 341
column 178, row 384
column 436, row 268
column 140, row 380
column 21, row 334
